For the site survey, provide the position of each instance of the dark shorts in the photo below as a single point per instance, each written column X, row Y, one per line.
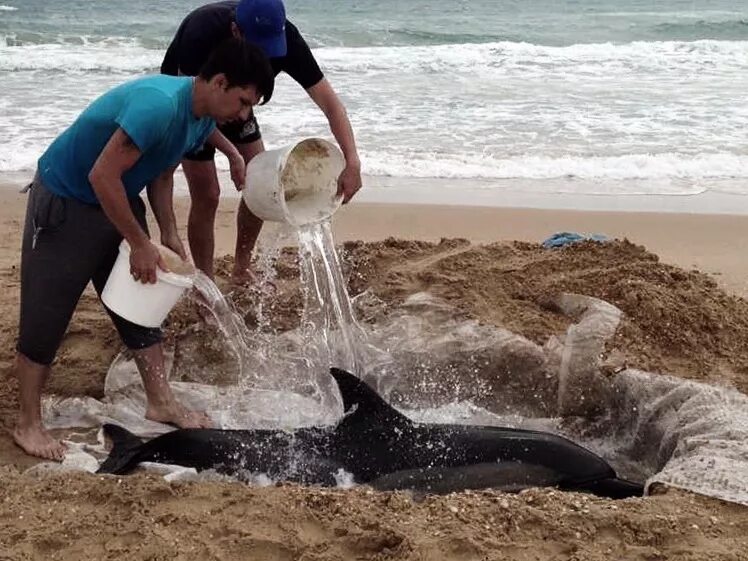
column 238, row 132
column 66, row 244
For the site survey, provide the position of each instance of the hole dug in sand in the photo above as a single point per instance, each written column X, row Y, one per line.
column 652, row 428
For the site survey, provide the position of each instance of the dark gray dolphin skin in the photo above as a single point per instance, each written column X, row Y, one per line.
column 382, row 448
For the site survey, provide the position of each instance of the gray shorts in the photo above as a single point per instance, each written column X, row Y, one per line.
column 66, row 244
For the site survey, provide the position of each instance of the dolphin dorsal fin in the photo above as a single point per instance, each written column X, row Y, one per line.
column 369, row 405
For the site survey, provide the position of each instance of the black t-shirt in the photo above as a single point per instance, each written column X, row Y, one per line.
column 206, row 27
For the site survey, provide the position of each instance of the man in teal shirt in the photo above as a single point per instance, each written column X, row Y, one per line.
column 85, row 199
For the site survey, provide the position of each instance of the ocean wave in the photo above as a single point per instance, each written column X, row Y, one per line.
column 518, row 59
column 35, row 38
column 115, row 54
column 730, row 29
column 382, row 35
column 626, row 167
column 412, row 37
column 110, row 56
column 423, row 164
column 4, row 8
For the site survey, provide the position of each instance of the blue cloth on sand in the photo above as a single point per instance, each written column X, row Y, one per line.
column 561, row 239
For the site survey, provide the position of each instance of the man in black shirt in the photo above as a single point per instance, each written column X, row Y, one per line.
column 264, row 23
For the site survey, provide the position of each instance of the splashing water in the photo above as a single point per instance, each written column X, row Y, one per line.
column 270, row 246
column 228, row 320
column 329, row 334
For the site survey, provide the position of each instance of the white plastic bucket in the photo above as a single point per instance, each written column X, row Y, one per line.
column 143, row 304
column 296, row 184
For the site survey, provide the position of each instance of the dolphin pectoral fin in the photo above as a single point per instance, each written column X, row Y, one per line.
column 504, row 476
column 126, row 446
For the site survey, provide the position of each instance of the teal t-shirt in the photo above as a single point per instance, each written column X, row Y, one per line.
column 154, row 111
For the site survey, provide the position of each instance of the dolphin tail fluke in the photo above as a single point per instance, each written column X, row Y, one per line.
column 125, row 447
column 613, row 488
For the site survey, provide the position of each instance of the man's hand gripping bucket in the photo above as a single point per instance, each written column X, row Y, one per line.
column 146, row 304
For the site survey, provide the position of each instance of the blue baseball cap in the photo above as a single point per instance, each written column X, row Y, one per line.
column 263, row 22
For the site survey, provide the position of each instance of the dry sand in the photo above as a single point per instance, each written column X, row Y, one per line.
column 678, row 321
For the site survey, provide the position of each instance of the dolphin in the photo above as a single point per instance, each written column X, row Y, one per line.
column 380, row 447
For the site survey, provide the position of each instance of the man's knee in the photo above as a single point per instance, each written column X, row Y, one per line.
column 249, row 150
column 135, row 337
column 143, row 340
column 206, row 201
column 205, row 191
column 42, row 355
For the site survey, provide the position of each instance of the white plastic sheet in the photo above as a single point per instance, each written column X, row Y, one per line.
column 438, row 367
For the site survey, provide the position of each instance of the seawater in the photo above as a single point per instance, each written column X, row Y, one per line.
column 329, row 334
column 608, row 96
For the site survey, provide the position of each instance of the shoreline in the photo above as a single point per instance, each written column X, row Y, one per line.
column 710, row 242
column 545, row 194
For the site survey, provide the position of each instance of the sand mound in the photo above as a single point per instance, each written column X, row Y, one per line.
column 675, row 321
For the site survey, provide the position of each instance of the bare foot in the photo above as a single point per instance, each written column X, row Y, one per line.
column 207, row 316
column 246, row 278
column 36, row 441
column 178, row 415
column 243, row 277
column 204, row 307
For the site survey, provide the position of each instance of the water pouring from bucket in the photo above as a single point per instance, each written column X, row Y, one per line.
column 296, row 184
column 146, row 304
